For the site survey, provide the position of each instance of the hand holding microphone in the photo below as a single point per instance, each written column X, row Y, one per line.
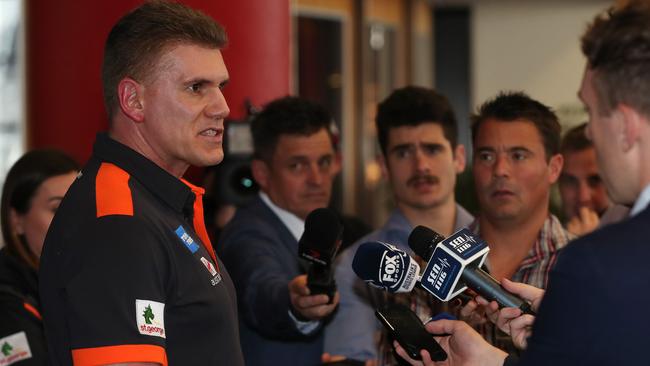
column 313, row 296
column 511, row 320
column 318, row 245
column 454, row 264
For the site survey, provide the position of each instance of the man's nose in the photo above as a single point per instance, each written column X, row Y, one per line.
column 217, row 108
column 501, row 166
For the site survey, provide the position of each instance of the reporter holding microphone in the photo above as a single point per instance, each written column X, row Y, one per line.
column 589, row 314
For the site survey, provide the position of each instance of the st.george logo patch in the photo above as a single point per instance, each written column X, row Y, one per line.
column 150, row 317
column 14, row 348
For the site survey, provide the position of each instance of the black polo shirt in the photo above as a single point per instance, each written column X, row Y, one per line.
column 128, row 273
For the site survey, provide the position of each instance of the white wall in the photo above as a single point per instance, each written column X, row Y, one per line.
column 532, row 46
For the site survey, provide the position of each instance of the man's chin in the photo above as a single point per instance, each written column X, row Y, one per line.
column 208, row 160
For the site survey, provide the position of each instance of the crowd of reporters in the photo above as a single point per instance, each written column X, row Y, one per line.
column 284, row 317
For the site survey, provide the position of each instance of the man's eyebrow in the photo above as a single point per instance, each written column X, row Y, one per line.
column 401, row 147
column 485, row 149
column 519, row 148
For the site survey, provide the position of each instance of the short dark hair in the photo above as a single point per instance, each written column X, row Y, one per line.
column 412, row 106
column 286, row 116
column 515, row 106
column 617, row 47
column 575, row 140
column 139, row 38
column 22, row 181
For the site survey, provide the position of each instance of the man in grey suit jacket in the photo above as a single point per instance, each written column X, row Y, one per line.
column 294, row 164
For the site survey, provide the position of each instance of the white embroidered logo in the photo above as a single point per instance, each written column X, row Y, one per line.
column 150, row 317
column 14, row 348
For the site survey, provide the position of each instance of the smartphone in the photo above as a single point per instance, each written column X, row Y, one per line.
column 405, row 326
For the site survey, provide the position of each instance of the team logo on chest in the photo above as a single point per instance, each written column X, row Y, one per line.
column 216, row 277
column 194, row 248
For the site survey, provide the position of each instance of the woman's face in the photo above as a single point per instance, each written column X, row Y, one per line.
column 35, row 222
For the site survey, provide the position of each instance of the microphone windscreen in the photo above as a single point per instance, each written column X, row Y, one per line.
column 320, row 239
column 385, row 267
column 423, row 241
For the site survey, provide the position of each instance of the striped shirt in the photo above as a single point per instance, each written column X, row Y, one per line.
column 533, row 270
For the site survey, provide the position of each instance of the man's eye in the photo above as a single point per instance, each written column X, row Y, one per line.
column 195, row 88
column 518, row 156
column 432, row 150
column 325, row 163
column 486, row 157
column 403, row 153
column 594, row 181
column 296, row 167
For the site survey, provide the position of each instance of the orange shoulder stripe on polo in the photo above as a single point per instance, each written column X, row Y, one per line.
column 112, row 191
column 119, row 354
column 29, row 307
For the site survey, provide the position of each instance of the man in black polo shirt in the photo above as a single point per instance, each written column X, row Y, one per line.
column 128, row 274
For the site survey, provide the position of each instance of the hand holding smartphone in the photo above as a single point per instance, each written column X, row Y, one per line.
column 405, row 326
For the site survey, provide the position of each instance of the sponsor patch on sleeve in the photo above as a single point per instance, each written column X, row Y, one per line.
column 14, row 348
column 150, row 317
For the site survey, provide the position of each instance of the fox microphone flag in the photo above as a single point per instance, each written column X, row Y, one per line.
column 385, row 267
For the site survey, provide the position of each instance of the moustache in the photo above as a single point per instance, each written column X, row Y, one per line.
column 429, row 179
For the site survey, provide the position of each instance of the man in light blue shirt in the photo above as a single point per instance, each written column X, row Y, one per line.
column 417, row 133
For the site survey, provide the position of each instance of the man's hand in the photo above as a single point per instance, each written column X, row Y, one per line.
column 473, row 313
column 584, row 222
column 464, row 346
column 511, row 320
column 311, row 307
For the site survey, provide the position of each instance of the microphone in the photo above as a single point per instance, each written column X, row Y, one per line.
column 318, row 245
column 454, row 264
column 385, row 267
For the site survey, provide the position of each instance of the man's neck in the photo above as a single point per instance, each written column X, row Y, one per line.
column 510, row 241
column 131, row 137
column 441, row 218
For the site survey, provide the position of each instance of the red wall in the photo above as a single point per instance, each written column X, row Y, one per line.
column 65, row 41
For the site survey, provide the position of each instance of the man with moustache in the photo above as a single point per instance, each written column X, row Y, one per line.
column 128, row 275
column 516, row 161
column 417, row 134
column 294, row 164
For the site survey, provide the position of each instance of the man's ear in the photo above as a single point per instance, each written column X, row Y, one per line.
column 631, row 121
column 130, row 96
column 555, row 164
column 261, row 173
column 459, row 158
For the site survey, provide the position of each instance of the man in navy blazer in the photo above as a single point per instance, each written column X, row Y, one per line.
column 294, row 164
column 593, row 312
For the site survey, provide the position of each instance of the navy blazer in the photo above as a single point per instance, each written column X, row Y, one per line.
column 261, row 256
column 594, row 310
